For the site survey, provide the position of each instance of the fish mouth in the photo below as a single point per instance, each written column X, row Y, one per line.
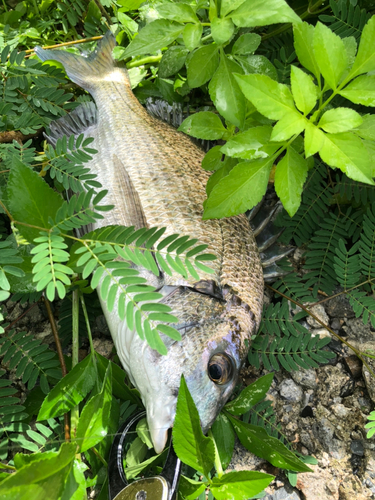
column 159, row 436
column 160, row 417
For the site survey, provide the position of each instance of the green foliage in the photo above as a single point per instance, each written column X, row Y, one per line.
column 370, row 425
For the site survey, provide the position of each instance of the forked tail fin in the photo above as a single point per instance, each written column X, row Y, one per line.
column 85, row 71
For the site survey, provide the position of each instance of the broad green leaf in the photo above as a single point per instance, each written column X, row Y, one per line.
column 226, row 94
column 260, row 13
column 347, row 152
column 190, row 489
column 191, row 446
column 130, row 4
column 290, row 176
column 257, row 64
column 75, row 486
column 42, row 479
column 70, row 390
column 246, row 44
column 239, row 485
column 223, row 171
column 172, row 61
column 202, row 65
column 367, row 129
column 212, row 159
column 222, row 29
column 314, row 139
column 350, row 44
column 93, row 422
column 272, row 99
column 144, row 433
column 177, row 12
column 330, row 54
column 361, row 90
column 303, row 43
column 224, row 436
column 251, row 395
column 203, row 125
column 229, row 5
column 136, row 452
column 256, row 440
column 192, row 35
column 292, row 123
column 365, row 60
column 248, row 144
column 303, row 89
column 31, row 200
column 153, row 37
column 135, row 470
column 339, row 120
column 240, row 190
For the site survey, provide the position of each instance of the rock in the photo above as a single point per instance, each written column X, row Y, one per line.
column 339, row 307
column 324, row 432
column 103, row 347
column 336, row 324
column 290, row 391
column 356, row 447
column 357, row 330
column 354, row 365
column 340, row 410
column 369, row 380
column 314, row 485
column 321, row 314
column 321, row 332
column 282, row 494
column 306, row 378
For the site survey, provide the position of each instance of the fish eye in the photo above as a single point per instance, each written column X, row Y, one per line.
column 220, row 368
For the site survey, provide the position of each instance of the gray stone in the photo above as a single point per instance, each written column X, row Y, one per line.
column 339, row 307
column 356, row 447
column 290, row 391
column 320, row 313
column 306, row 378
column 282, row 494
column 357, row 330
column 368, row 378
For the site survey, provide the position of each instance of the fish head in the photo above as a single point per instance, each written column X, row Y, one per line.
column 209, row 355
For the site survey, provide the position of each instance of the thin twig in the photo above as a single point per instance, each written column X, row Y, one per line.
column 66, row 44
column 13, row 135
column 356, row 351
column 61, row 358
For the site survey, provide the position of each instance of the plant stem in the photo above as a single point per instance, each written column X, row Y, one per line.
column 104, row 12
column 356, row 351
column 218, row 465
column 99, row 456
column 5, row 6
column 65, row 44
column 74, row 416
column 61, row 359
column 145, row 60
column 93, row 352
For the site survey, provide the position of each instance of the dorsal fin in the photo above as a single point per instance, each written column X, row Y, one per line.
column 82, row 119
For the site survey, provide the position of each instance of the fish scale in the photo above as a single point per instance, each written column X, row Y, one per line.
column 154, row 178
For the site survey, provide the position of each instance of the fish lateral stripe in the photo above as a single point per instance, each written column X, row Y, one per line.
column 87, row 71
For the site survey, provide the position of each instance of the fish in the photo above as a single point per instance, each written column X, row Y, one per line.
column 154, row 178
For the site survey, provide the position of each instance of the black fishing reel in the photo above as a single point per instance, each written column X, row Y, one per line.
column 161, row 487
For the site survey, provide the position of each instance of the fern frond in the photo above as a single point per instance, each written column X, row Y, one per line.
column 8, row 256
column 66, row 163
column 120, row 283
column 348, row 19
column 292, row 285
column 49, row 271
column 367, row 245
column 291, row 353
column 29, row 357
column 80, row 210
column 321, row 253
column 316, row 199
column 362, row 304
column 263, row 415
column 275, row 321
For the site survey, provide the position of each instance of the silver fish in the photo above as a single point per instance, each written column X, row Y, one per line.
column 154, row 178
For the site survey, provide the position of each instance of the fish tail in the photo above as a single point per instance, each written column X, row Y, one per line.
column 85, row 71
